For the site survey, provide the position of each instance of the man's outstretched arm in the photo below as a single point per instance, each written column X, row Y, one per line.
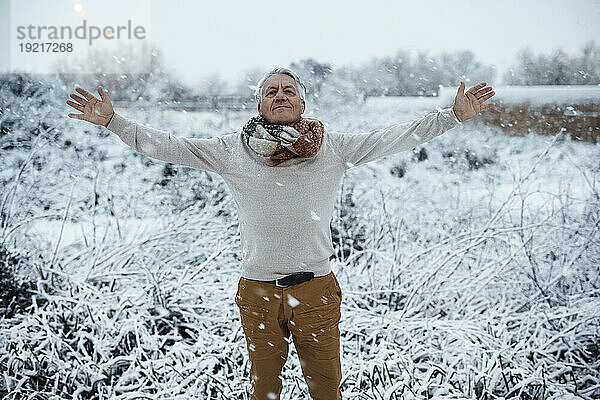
column 208, row 154
column 360, row 148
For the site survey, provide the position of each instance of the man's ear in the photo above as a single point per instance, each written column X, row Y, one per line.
column 258, row 108
column 303, row 106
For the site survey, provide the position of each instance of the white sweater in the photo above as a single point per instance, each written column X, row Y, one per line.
column 284, row 211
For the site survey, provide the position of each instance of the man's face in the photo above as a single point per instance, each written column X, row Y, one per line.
column 280, row 102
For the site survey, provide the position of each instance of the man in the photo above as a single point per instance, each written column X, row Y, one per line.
column 284, row 171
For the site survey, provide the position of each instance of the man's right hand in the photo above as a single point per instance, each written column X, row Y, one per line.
column 94, row 110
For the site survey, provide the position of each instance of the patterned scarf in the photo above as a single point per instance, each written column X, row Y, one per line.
column 276, row 143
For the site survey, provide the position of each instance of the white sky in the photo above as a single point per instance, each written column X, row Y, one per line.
column 202, row 38
column 226, row 37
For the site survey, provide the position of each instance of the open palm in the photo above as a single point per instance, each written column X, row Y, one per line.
column 96, row 111
column 467, row 105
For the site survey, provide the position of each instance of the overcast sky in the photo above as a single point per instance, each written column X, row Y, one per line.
column 201, row 38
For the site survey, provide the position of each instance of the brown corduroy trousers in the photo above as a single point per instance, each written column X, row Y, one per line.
column 310, row 312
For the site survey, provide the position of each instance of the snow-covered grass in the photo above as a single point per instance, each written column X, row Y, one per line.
column 475, row 273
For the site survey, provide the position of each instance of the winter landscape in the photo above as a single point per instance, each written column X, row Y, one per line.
column 469, row 265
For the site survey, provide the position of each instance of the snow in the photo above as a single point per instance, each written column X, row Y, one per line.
column 73, row 232
column 446, row 268
column 292, row 301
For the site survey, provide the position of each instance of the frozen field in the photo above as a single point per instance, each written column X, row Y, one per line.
column 469, row 267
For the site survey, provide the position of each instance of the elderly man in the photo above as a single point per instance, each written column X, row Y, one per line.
column 283, row 171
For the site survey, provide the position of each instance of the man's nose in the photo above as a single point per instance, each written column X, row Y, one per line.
column 280, row 95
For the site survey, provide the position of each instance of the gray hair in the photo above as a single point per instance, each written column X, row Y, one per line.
column 280, row 70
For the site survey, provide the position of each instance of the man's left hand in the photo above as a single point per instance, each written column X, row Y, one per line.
column 467, row 105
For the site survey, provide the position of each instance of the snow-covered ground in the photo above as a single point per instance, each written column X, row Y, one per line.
column 477, row 270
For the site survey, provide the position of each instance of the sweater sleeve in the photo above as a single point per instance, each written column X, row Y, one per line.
column 208, row 154
column 360, row 148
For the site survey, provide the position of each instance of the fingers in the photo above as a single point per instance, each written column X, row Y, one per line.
column 76, row 106
column 480, row 92
column 475, row 88
column 487, row 96
column 476, row 93
column 79, row 99
column 85, row 93
column 77, row 116
column 461, row 88
column 103, row 94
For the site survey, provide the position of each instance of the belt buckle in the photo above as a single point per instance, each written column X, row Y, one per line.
column 278, row 285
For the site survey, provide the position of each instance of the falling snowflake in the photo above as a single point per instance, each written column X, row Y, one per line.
column 261, row 326
column 292, row 301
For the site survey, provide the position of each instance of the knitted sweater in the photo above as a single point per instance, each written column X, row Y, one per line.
column 285, row 211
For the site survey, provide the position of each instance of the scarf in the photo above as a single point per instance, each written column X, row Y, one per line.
column 276, row 143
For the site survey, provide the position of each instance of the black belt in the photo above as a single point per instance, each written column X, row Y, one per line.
column 292, row 279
